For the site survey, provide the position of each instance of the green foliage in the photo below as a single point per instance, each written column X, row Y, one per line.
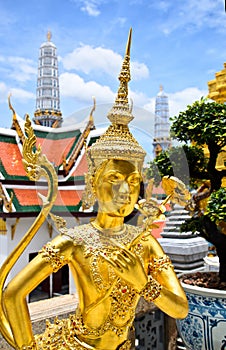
column 203, row 122
column 187, row 163
column 194, row 225
column 216, row 209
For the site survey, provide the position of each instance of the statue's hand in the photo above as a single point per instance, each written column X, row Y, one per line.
column 128, row 266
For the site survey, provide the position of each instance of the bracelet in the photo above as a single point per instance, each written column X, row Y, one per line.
column 159, row 264
column 151, row 290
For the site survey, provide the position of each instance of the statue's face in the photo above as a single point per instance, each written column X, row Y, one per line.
column 117, row 187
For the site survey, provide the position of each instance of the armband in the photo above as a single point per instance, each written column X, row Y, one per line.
column 159, row 264
column 52, row 255
column 151, row 290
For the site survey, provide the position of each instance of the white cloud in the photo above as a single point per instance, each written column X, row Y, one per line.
column 91, row 7
column 22, row 95
column 3, row 91
column 17, row 94
column 180, row 100
column 192, row 15
column 138, row 98
column 139, row 71
column 87, row 59
column 22, row 69
column 73, row 85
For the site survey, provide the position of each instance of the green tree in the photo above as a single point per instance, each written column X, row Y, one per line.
column 202, row 124
column 188, row 163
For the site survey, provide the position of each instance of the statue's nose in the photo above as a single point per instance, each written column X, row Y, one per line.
column 124, row 191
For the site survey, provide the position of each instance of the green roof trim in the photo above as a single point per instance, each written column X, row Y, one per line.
column 77, row 178
column 8, row 139
column 58, row 135
column 93, row 140
column 70, row 208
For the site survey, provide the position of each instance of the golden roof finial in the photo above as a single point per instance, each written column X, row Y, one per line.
column 161, row 87
column 49, row 35
column 93, row 109
column 15, row 123
column 120, row 112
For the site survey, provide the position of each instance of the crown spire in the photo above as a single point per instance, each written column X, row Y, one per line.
column 117, row 142
column 121, row 112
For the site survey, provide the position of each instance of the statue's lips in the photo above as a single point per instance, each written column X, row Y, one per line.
column 122, row 202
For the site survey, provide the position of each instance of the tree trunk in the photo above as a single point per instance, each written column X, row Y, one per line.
column 218, row 239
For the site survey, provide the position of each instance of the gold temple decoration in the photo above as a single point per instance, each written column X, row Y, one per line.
column 15, row 123
column 217, row 92
column 3, row 228
column 3, row 200
column 59, row 222
column 50, row 229
column 13, row 228
column 217, row 86
column 36, row 166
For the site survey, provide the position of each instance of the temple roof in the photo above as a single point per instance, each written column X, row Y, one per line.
column 61, row 146
column 27, row 200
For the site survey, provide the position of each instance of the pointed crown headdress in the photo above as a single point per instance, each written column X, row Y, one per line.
column 118, row 142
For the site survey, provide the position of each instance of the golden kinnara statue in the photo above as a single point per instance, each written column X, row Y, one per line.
column 113, row 264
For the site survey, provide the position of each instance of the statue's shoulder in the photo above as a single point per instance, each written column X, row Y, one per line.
column 80, row 235
column 133, row 231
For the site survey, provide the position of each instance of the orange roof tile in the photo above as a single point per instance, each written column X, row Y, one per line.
column 11, row 159
column 68, row 198
column 82, row 167
column 29, row 197
column 56, row 149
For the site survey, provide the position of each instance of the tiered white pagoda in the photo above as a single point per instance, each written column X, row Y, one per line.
column 161, row 139
column 47, row 92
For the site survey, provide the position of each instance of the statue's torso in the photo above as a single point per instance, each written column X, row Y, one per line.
column 106, row 302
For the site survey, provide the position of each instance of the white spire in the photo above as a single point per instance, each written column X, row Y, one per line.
column 48, row 93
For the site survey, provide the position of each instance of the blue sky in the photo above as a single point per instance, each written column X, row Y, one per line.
column 179, row 44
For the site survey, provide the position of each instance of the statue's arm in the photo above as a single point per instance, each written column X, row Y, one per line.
column 171, row 297
column 51, row 258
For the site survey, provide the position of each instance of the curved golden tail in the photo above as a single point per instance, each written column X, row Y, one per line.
column 37, row 166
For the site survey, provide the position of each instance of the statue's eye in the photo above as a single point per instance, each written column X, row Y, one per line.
column 134, row 180
column 114, row 178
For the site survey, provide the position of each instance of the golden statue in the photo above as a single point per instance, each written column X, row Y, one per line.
column 113, row 264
